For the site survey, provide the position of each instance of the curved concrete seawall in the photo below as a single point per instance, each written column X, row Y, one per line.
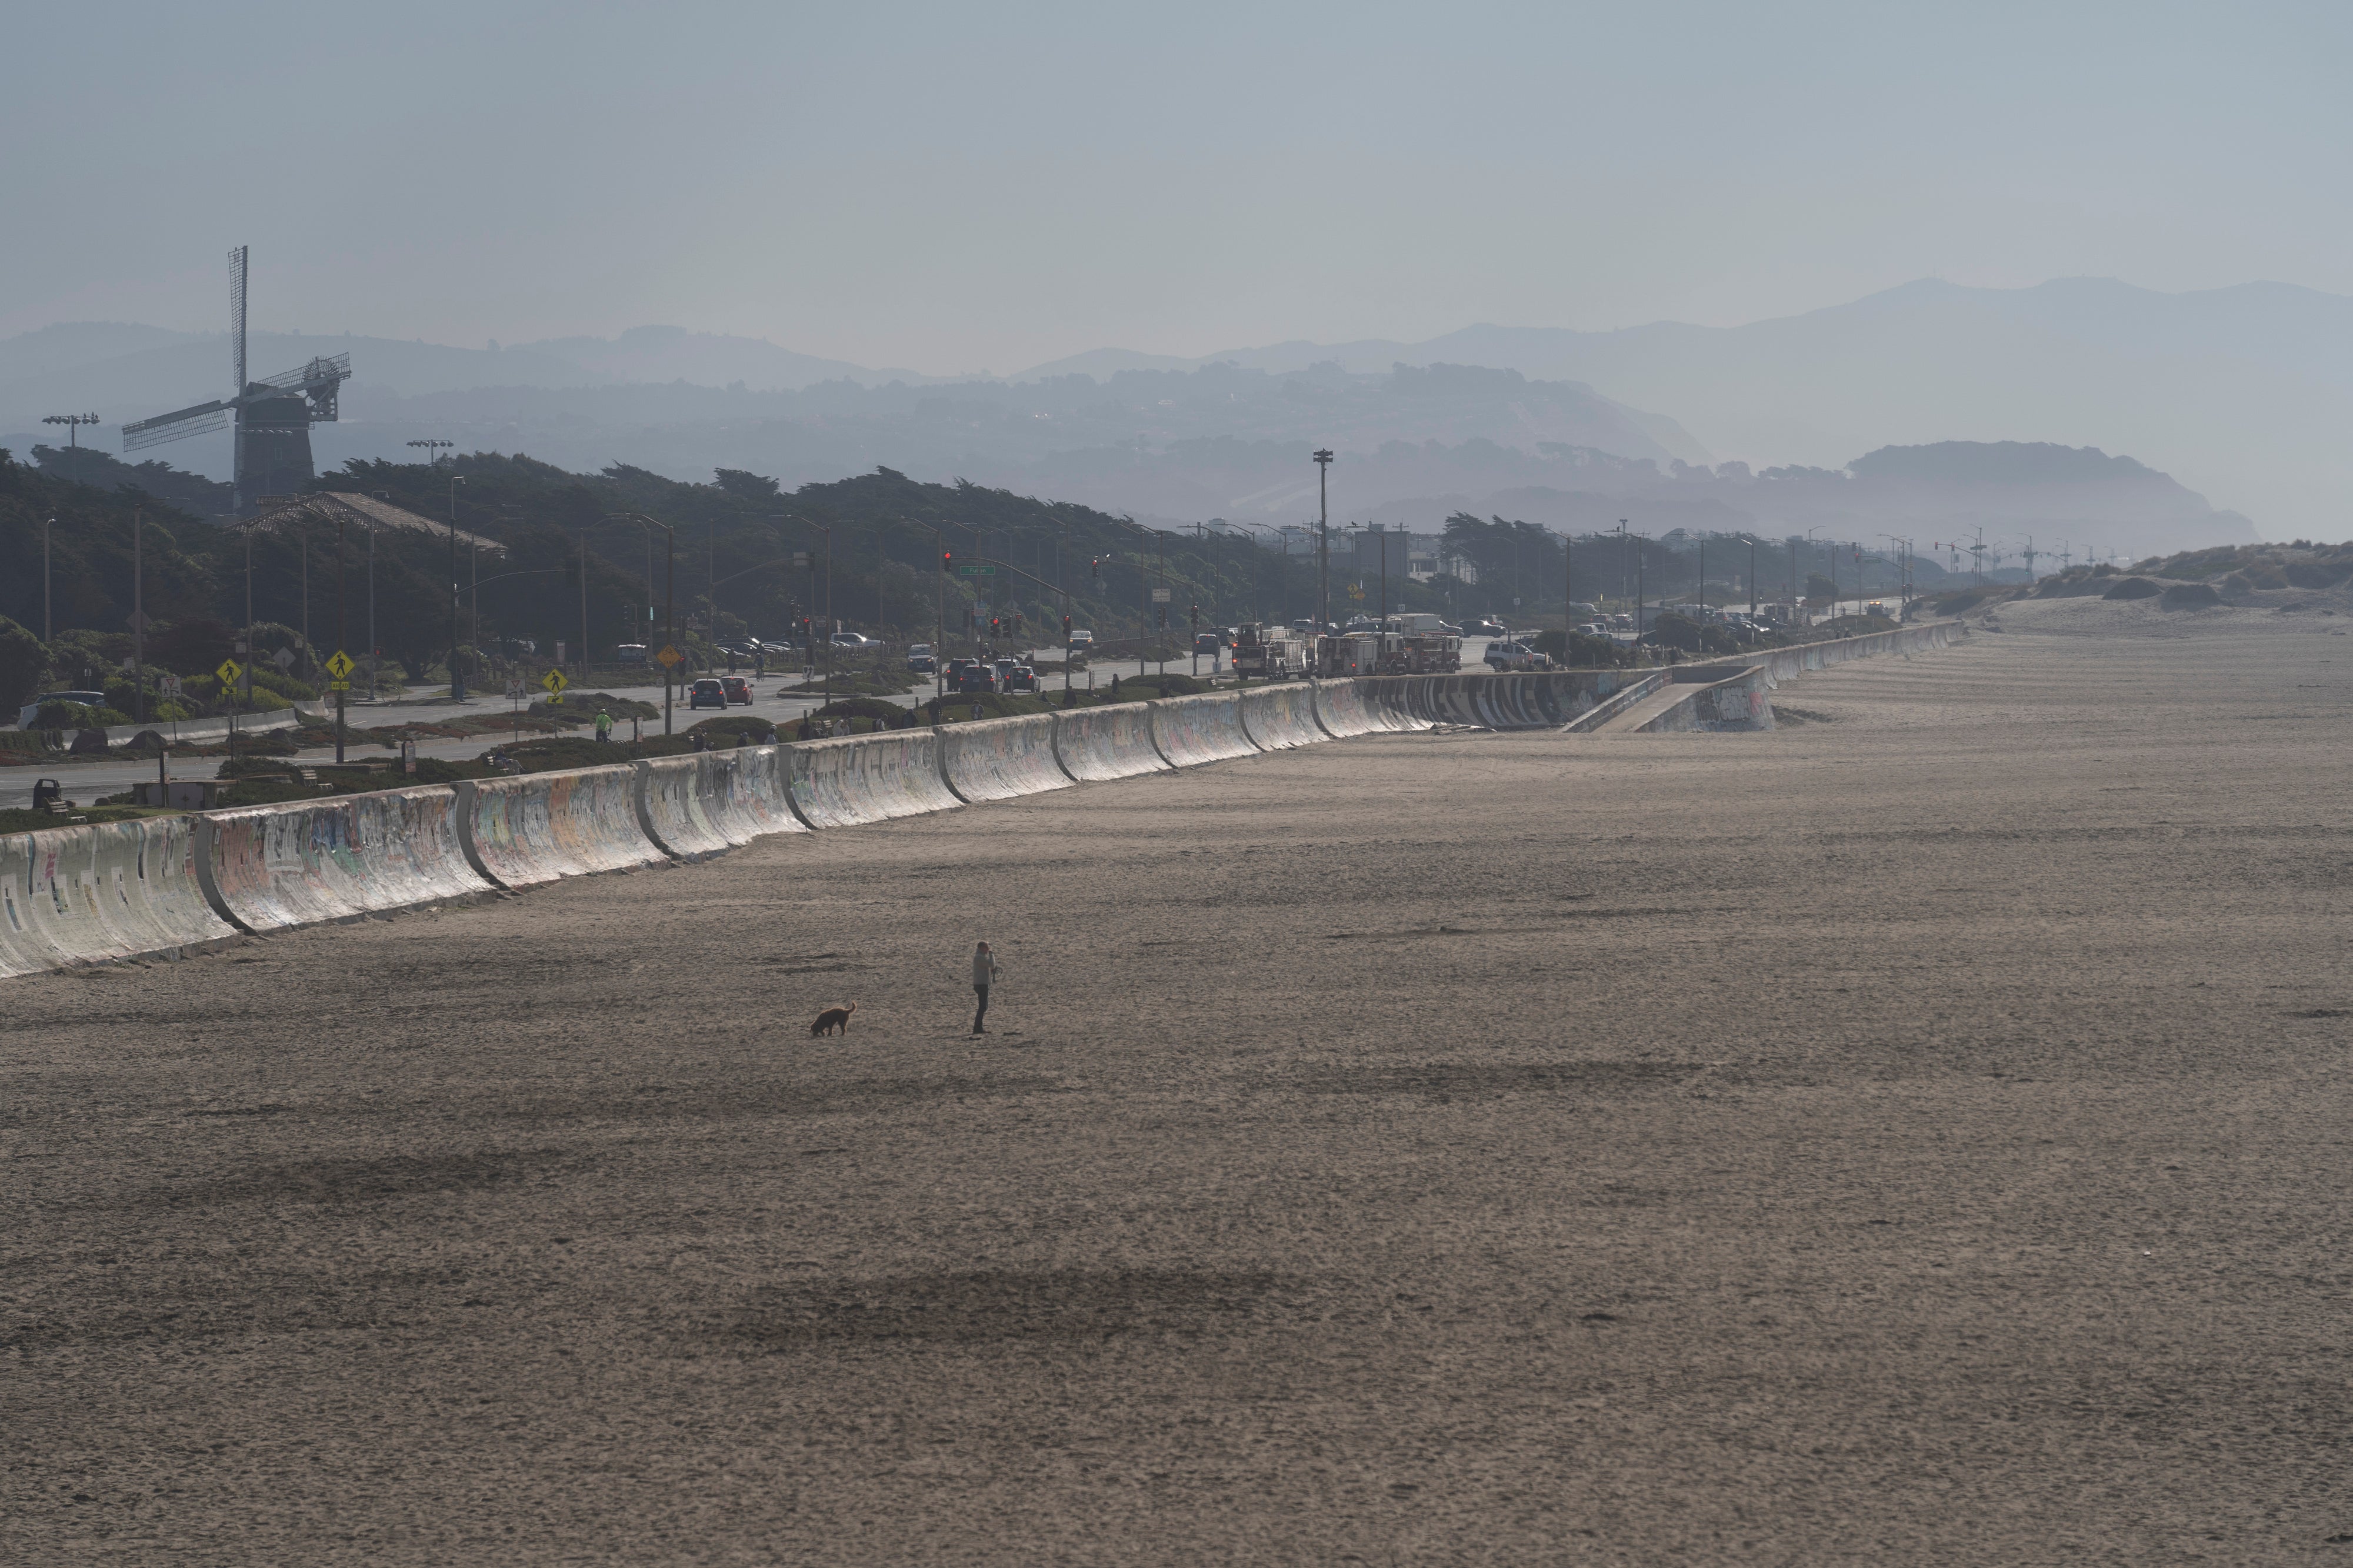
column 1277, row 717
column 1109, row 742
column 1001, row 759
column 1190, row 730
column 707, row 803
column 167, row 885
column 539, row 828
column 102, row 891
column 867, row 778
column 757, row 799
column 271, row 867
column 1782, row 663
column 674, row 805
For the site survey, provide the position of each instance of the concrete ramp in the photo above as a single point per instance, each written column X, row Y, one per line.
column 1002, row 759
column 867, row 778
column 1638, row 715
column 540, row 827
column 1277, row 717
column 1191, row 731
column 272, row 867
column 102, row 891
column 1112, row 741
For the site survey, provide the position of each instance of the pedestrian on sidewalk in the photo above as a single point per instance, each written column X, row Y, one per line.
column 984, row 975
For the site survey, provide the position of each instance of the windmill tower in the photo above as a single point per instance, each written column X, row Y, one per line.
column 273, row 415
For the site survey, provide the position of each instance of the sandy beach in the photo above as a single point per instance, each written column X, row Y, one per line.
column 1916, row 1134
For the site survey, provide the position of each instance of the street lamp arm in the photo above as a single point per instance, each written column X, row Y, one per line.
column 536, row 571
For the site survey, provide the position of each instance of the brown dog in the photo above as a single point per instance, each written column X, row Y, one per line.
column 833, row 1019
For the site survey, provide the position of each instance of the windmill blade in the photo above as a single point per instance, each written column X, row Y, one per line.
column 323, row 370
column 236, row 311
column 197, row 421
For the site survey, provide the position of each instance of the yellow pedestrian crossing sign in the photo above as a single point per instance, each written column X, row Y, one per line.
column 340, row 666
column 554, row 682
column 671, row 657
column 228, row 672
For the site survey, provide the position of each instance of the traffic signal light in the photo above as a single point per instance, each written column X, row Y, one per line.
column 1066, row 628
column 1095, row 567
column 995, row 625
column 947, row 559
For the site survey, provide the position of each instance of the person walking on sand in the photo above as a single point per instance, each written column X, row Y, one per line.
column 984, row 975
column 604, row 727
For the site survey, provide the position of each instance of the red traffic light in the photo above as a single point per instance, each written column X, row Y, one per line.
column 947, row 559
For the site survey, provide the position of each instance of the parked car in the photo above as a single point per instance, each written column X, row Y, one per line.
column 855, row 639
column 920, row 660
column 1507, row 654
column 975, row 678
column 737, row 688
column 707, row 692
column 32, row 710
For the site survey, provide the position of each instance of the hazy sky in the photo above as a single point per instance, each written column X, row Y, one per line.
column 957, row 187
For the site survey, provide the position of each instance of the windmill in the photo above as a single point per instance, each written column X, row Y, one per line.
column 273, row 415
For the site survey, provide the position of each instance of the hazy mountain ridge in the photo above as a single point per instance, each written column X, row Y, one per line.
column 2240, row 390
column 2015, row 491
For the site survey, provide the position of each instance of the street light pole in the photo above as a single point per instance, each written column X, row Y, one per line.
column 584, row 606
column 138, row 619
column 341, row 681
column 1323, row 540
column 457, row 679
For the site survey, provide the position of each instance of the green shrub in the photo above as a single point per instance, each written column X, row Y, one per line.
column 1582, row 650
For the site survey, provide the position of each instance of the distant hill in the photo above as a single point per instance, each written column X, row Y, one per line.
column 2242, row 391
column 710, row 358
column 2080, row 499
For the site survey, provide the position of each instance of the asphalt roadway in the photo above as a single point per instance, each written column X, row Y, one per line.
column 1917, row 1134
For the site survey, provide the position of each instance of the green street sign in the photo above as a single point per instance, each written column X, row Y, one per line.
column 975, row 571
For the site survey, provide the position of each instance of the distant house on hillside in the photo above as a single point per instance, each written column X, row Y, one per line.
column 1414, row 555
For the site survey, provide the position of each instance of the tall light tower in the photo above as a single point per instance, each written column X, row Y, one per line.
column 73, row 423
column 1323, row 540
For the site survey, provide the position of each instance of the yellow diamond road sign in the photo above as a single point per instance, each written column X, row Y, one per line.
column 229, row 671
column 339, row 666
column 671, row 657
column 554, row 680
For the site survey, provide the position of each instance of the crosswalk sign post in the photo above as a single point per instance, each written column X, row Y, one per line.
column 226, row 675
column 556, row 683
